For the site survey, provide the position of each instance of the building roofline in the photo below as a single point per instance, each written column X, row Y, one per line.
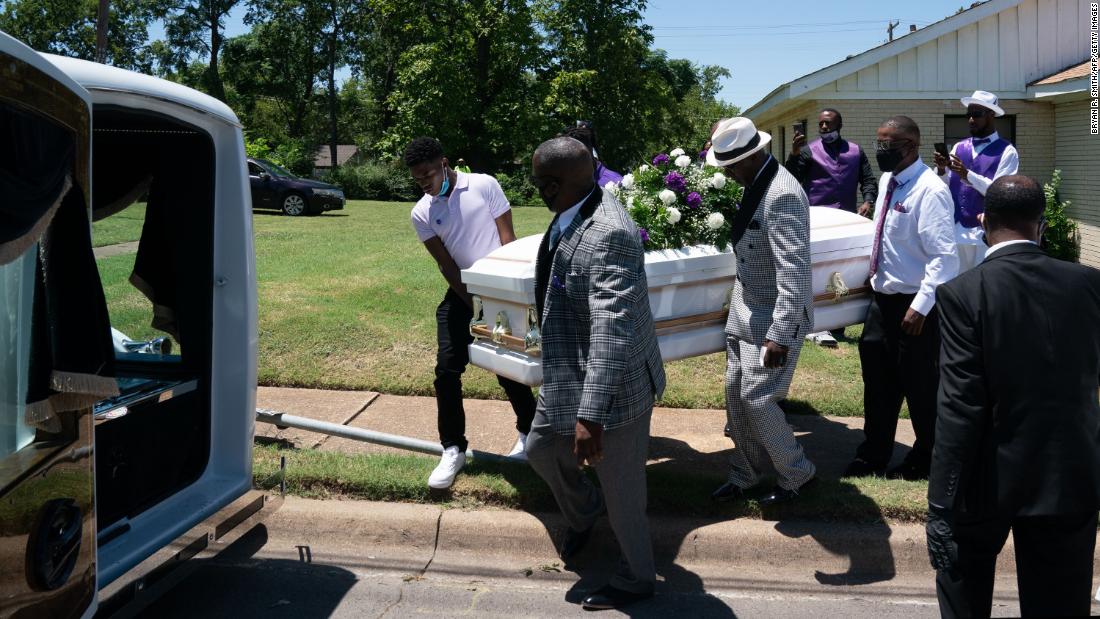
column 911, row 40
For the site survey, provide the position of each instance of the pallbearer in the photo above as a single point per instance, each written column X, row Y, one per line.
column 461, row 218
column 972, row 167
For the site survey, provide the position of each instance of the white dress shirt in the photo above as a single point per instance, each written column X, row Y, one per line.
column 566, row 217
column 989, row 252
column 1010, row 163
column 918, row 237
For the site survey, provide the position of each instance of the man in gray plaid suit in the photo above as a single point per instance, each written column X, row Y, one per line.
column 601, row 366
column 771, row 310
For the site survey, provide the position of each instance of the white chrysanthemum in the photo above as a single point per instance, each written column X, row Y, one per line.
column 674, row 215
column 715, row 221
column 644, row 168
column 718, row 181
column 628, row 181
column 667, row 196
column 612, row 186
column 676, row 152
column 683, row 161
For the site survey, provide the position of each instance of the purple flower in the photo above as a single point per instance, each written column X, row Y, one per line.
column 644, row 234
column 660, row 159
column 675, row 182
column 693, row 199
column 703, row 154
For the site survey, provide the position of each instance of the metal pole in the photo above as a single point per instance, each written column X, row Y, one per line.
column 370, row 436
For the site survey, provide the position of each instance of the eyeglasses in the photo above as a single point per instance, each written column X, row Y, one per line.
column 883, row 146
column 977, row 113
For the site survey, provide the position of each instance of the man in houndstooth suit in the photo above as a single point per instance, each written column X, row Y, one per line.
column 771, row 310
column 601, row 366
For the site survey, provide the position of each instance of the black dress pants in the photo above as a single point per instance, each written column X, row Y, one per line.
column 896, row 366
column 1053, row 565
column 453, row 334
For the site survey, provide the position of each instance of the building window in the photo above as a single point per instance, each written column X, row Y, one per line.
column 956, row 129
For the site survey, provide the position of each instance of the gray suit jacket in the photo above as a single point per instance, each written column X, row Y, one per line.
column 773, row 295
column 600, row 359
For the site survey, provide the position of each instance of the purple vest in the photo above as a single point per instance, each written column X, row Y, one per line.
column 605, row 174
column 832, row 182
column 968, row 201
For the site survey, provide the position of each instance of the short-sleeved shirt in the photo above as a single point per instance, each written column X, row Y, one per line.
column 465, row 220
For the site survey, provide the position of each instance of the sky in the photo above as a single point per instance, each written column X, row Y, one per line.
column 763, row 43
column 767, row 43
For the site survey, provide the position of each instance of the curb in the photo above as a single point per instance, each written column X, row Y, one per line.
column 846, row 550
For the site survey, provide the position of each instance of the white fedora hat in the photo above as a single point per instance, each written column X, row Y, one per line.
column 733, row 140
column 985, row 99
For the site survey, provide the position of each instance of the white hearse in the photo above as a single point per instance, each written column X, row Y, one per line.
column 99, row 476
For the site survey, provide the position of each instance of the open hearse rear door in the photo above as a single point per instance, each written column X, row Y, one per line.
column 128, row 382
column 47, row 484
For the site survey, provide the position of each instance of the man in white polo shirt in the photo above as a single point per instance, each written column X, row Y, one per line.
column 461, row 218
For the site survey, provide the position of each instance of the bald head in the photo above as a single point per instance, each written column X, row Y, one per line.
column 563, row 172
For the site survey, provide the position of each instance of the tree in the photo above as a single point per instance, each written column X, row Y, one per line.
column 195, row 27
column 602, row 70
column 471, row 81
column 68, row 28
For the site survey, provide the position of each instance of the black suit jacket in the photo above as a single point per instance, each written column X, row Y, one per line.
column 1018, row 427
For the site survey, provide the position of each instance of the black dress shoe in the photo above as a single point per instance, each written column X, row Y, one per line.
column 862, row 468
column 782, row 495
column 574, row 542
column 908, row 471
column 727, row 492
column 608, row 597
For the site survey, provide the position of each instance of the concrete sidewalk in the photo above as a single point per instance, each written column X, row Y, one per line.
column 688, row 440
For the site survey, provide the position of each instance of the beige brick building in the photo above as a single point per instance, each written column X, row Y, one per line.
column 1032, row 53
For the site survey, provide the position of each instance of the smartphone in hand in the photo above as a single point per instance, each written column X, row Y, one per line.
column 941, row 148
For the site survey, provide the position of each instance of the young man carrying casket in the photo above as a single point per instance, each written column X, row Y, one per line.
column 460, row 219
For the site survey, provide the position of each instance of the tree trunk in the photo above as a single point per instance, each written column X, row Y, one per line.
column 214, row 84
column 332, row 97
column 102, row 21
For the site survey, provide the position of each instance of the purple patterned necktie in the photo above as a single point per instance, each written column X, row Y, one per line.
column 876, row 245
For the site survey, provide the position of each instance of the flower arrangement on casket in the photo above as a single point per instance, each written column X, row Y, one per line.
column 679, row 202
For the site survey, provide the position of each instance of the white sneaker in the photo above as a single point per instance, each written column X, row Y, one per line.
column 519, row 450
column 822, row 338
column 450, row 464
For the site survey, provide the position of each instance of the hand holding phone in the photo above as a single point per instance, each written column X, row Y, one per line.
column 941, row 158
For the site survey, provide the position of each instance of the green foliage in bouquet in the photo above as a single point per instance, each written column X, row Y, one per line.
column 1061, row 238
column 678, row 201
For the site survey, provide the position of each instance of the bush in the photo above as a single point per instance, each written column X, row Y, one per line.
column 374, row 180
column 518, row 191
column 1061, row 239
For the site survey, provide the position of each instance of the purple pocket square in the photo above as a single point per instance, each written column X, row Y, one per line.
column 556, row 282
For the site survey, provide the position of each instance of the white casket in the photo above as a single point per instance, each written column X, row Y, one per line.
column 689, row 293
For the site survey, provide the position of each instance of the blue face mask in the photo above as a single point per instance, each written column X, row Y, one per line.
column 446, row 183
column 830, row 137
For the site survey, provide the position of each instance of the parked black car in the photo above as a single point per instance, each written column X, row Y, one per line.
column 276, row 187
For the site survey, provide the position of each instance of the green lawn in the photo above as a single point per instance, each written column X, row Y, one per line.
column 119, row 228
column 385, row 477
column 347, row 301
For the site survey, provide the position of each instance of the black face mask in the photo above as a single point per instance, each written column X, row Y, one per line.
column 889, row 159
